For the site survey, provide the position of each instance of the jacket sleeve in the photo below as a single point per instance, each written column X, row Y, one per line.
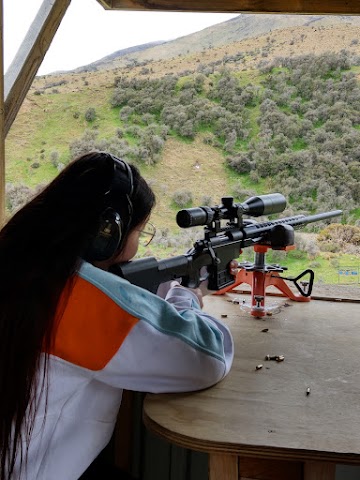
column 172, row 347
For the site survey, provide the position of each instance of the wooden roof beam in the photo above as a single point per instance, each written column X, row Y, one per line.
column 21, row 73
column 312, row 7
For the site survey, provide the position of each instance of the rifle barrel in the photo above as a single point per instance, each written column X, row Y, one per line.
column 257, row 229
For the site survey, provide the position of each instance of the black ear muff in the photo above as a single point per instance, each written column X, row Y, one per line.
column 113, row 228
column 107, row 240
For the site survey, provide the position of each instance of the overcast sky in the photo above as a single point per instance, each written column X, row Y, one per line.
column 88, row 32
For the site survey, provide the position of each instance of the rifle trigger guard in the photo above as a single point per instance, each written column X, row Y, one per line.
column 214, row 258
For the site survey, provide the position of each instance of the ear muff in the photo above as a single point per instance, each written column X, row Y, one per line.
column 108, row 238
column 112, row 228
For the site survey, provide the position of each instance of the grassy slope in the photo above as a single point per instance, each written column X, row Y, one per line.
column 46, row 123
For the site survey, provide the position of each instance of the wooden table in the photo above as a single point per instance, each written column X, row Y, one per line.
column 262, row 424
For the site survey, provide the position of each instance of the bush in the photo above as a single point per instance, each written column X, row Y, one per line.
column 17, row 195
column 242, row 193
column 206, row 200
column 54, row 158
column 240, row 163
column 90, row 114
column 337, row 237
column 182, row 198
column 85, row 144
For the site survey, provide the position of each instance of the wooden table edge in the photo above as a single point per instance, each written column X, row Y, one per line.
column 258, row 451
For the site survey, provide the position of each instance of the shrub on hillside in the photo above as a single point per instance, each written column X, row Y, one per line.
column 337, row 237
column 182, row 198
column 242, row 193
column 85, row 144
column 206, row 200
column 17, row 195
column 90, row 114
column 54, row 157
column 241, row 162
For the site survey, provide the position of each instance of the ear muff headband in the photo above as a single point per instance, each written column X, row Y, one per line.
column 123, row 182
column 122, row 185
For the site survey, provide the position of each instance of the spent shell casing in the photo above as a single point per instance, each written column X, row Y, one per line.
column 308, row 391
column 271, row 357
column 258, row 367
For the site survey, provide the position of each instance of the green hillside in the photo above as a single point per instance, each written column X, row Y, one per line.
column 249, row 118
column 291, row 126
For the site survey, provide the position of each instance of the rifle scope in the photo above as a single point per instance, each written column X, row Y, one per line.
column 253, row 206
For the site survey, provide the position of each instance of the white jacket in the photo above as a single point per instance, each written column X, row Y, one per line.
column 111, row 336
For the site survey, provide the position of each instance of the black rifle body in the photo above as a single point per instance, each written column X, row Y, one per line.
column 214, row 252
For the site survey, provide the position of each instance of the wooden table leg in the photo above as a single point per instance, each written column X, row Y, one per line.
column 319, row 471
column 223, row 467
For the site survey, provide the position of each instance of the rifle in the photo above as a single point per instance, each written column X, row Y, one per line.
column 222, row 244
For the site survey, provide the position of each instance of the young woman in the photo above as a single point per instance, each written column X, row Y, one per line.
column 73, row 335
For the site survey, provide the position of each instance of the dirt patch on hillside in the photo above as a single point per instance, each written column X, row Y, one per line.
column 193, row 167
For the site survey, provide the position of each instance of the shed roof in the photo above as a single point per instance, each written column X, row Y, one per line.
column 332, row 7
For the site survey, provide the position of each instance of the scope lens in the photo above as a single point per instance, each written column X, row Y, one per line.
column 192, row 217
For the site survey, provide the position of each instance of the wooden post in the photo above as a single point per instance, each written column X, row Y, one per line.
column 2, row 136
column 223, row 467
column 319, row 471
column 15, row 85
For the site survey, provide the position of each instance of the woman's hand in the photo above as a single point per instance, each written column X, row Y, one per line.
column 199, row 292
column 234, row 267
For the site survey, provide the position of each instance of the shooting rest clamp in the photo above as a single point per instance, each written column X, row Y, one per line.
column 259, row 276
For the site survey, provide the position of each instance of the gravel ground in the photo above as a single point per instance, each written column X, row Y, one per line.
column 337, row 291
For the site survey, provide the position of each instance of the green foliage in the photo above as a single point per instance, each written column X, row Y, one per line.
column 337, row 237
column 16, row 196
column 301, row 115
column 182, row 198
column 90, row 114
column 292, row 127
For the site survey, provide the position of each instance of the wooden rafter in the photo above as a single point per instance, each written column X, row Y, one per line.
column 20, row 75
column 314, row 7
column 27, row 61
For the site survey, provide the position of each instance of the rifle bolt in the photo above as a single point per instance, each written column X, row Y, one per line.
column 258, row 367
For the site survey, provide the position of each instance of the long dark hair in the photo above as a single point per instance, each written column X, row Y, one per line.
column 40, row 251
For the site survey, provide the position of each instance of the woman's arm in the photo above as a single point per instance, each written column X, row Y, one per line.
column 172, row 345
column 130, row 338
